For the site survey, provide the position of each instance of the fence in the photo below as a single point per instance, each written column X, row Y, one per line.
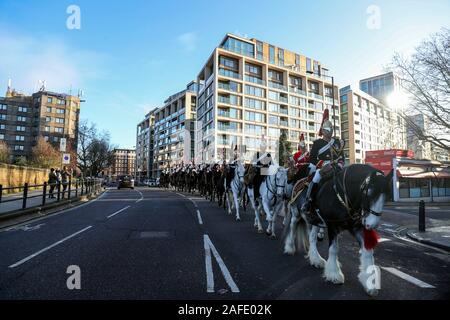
column 58, row 191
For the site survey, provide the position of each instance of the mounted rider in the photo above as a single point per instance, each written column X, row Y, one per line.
column 302, row 155
column 326, row 155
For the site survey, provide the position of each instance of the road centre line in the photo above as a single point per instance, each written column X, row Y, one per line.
column 117, row 212
column 199, row 216
column 48, row 248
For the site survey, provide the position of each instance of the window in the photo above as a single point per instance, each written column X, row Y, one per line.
column 60, row 111
column 255, row 129
column 2, row 116
column 280, row 57
column 229, row 63
column 48, row 119
column 59, row 130
column 274, row 132
column 254, row 116
column 255, row 104
column 49, row 100
column 272, row 54
column 239, row 46
column 23, row 109
column 59, row 120
column 19, row 148
column 46, row 138
column 20, row 138
column 254, row 91
column 313, row 87
column 3, row 107
column 21, row 119
column 55, row 139
column 308, row 64
column 2, row 127
column 20, row 128
column 297, row 60
column 49, row 109
column 259, row 50
column 2, row 136
column 253, row 69
column 276, row 76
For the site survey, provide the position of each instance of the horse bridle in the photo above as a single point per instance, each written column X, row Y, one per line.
column 276, row 184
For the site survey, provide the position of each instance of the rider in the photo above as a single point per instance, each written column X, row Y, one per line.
column 264, row 159
column 325, row 152
column 302, row 155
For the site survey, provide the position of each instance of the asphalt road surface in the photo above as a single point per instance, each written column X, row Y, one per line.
column 154, row 244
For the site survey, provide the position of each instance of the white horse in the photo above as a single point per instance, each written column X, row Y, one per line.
column 235, row 190
column 272, row 192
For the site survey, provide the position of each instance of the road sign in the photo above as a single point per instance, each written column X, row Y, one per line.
column 63, row 145
column 66, row 158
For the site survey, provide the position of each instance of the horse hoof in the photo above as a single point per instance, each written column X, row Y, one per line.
column 372, row 292
column 260, row 231
column 273, row 237
column 238, row 219
column 335, row 278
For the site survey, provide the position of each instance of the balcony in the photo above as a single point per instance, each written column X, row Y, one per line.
column 284, row 123
column 255, row 80
column 278, row 86
column 298, row 91
column 315, row 96
column 330, row 100
column 239, row 51
column 228, row 100
column 229, row 73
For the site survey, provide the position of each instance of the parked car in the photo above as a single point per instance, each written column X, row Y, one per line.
column 125, row 182
column 153, row 182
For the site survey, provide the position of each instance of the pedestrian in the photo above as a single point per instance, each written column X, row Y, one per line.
column 65, row 180
column 52, row 181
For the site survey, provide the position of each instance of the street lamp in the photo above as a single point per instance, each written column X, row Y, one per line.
column 332, row 93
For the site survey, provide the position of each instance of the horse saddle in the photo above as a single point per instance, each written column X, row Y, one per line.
column 299, row 186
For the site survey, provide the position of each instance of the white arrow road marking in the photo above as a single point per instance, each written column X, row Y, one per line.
column 408, row 278
column 208, row 245
column 47, row 248
column 117, row 212
column 142, row 197
column 384, row 240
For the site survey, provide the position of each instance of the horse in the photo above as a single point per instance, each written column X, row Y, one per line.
column 234, row 188
column 352, row 200
column 271, row 193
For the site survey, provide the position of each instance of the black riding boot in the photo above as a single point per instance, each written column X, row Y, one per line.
column 310, row 196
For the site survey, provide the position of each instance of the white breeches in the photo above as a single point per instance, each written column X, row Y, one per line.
column 317, row 177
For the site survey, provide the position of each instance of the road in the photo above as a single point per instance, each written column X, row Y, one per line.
column 153, row 244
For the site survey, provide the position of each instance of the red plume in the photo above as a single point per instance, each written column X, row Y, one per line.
column 371, row 238
column 326, row 116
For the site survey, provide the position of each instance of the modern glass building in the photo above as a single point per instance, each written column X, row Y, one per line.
column 252, row 92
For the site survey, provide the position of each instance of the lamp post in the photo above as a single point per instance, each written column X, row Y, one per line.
column 332, row 93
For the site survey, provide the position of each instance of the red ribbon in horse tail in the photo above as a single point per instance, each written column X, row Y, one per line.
column 371, row 238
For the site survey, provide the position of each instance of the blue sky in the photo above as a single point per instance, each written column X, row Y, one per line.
column 129, row 56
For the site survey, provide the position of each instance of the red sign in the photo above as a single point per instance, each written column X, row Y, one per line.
column 389, row 154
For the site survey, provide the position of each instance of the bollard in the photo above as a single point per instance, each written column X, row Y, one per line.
column 59, row 191
column 70, row 188
column 44, row 194
column 422, row 216
column 25, row 195
column 1, row 192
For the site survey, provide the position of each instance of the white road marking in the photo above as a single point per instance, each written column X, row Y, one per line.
column 48, row 248
column 208, row 266
column 226, row 274
column 384, row 240
column 117, row 212
column 199, row 216
column 408, row 278
column 181, row 195
column 142, row 197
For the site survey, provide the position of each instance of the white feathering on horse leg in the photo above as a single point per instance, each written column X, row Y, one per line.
column 313, row 256
column 333, row 272
column 366, row 260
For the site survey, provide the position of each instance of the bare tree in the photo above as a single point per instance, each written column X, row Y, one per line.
column 5, row 152
column 44, row 155
column 95, row 151
column 426, row 78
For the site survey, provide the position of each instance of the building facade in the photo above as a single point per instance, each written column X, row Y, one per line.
column 124, row 161
column 174, row 130
column 145, row 145
column 23, row 119
column 251, row 92
column 367, row 124
column 385, row 87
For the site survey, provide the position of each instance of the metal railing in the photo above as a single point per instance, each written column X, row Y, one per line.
column 59, row 191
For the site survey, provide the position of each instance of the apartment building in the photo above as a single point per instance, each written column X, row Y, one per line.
column 252, row 92
column 145, row 145
column 23, row 119
column 123, row 162
column 385, row 87
column 367, row 124
column 174, row 130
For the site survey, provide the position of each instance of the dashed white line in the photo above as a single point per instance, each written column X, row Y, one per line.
column 199, row 216
column 117, row 212
column 208, row 266
column 226, row 274
column 408, row 278
column 48, row 248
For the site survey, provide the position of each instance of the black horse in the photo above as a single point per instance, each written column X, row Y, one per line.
column 351, row 200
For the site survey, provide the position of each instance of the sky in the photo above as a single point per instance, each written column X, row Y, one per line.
column 129, row 56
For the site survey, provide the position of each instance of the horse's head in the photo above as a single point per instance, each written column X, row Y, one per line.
column 281, row 181
column 373, row 191
column 240, row 171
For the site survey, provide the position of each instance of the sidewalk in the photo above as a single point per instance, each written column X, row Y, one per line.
column 435, row 236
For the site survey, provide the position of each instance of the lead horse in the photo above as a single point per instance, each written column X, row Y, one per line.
column 235, row 188
column 352, row 200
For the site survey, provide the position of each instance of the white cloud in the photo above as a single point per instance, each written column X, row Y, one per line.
column 188, row 40
column 26, row 60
